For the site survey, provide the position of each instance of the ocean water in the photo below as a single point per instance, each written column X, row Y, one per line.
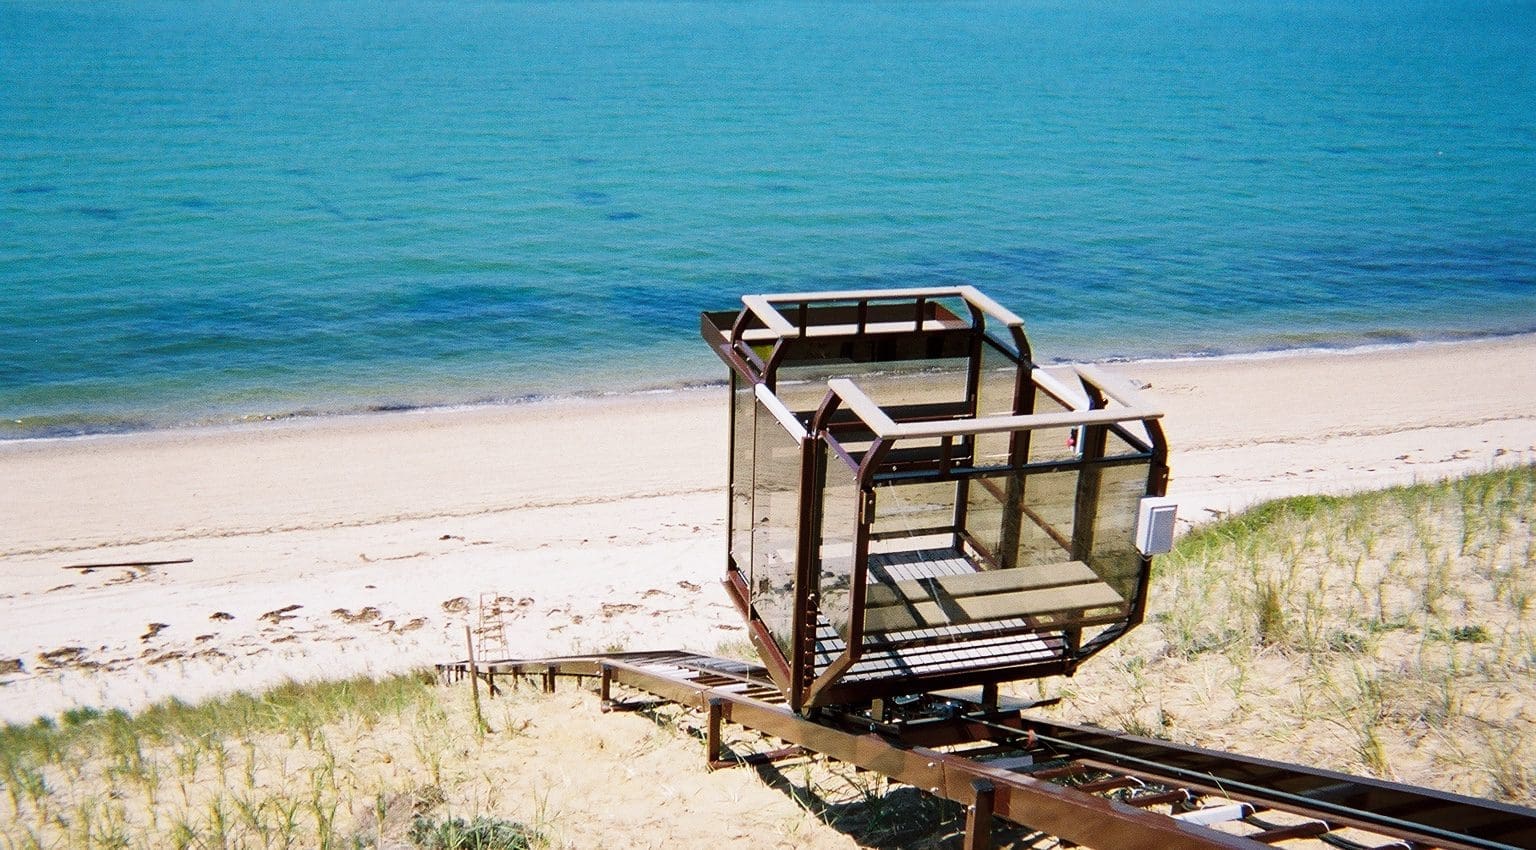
column 214, row 210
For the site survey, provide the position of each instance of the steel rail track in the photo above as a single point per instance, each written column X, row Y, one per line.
column 1084, row 785
column 1362, row 802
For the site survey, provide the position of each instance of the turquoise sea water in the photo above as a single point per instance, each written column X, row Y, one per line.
column 216, row 210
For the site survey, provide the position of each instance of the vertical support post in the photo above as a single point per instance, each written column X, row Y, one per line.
column 802, row 660
column 605, row 689
column 989, row 696
column 978, row 816
column 1011, row 531
column 549, row 680
column 712, row 733
column 1085, row 511
column 1157, row 485
column 974, row 355
column 474, row 674
column 1012, row 521
column 474, row 679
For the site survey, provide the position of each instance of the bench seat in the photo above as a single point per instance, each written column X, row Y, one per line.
column 1053, row 594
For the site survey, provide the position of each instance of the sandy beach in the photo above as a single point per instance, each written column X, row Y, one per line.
column 195, row 562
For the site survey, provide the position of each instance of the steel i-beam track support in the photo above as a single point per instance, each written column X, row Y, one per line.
column 978, row 816
column 715, row 713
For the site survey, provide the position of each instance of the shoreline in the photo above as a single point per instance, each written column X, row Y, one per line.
column 366, row 544
column 311, row 414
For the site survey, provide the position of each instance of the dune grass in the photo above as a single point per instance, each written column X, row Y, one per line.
column 321, row 765
column 1391, row 632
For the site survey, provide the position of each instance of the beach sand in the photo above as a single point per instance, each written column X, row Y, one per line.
column 366, row 544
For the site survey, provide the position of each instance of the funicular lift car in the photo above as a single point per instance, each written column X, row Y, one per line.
column 916, row 505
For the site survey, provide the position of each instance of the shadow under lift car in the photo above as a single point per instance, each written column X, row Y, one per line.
column 916, row 505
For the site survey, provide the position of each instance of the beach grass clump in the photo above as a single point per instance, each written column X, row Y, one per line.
column 1395, row 627
column 481, row 833
column 353, row 763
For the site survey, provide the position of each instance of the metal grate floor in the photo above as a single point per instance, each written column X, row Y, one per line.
column 932, row 650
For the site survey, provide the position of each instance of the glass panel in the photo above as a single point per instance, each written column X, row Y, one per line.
column 1117, row 446
column 802, row 388
column 985, row 498
column 995, row 397
column 890, row 384
column 1024, row 524
column 1113, row 555
column 917, row 382
column 1049, row 444
column 839, row 537
column 1022, row 520
column 775, row 527
column 743, row 404
column 913, row 509
column 1050, row 502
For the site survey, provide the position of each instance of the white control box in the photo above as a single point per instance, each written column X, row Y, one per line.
column 1154, row 525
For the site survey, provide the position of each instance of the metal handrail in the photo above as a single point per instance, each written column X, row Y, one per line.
column 765, row 308
column 885, row 428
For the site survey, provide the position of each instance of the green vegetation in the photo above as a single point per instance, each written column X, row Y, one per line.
column 355, row 763
column 482, row 833
column 1396, row 625
column 1452, row 562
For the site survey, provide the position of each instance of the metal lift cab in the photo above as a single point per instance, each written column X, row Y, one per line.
column 915, row 505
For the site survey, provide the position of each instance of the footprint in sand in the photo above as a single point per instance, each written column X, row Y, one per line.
column 363, row 615
column 221, row 615
column 281, row 614
column 65, row 656
column 127, row 576
column 456, row 605
column 153, row 629
column 508, row 605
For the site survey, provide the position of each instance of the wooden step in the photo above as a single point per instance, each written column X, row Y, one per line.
column 1068, row 603
column 978, row 583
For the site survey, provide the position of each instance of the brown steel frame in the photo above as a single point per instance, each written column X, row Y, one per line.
column 779, row 330
column 1040, row 796
column 987, row 793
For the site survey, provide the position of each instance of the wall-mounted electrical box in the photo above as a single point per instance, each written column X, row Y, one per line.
column 1154, row 525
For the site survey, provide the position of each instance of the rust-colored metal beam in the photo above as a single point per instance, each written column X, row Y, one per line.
column 1046, row 776
column 1064, row 812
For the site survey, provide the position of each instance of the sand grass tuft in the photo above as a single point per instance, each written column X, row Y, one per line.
column 1388, row 632
column 286, row 768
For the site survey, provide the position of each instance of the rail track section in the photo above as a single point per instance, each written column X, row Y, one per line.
column 1082, row 785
